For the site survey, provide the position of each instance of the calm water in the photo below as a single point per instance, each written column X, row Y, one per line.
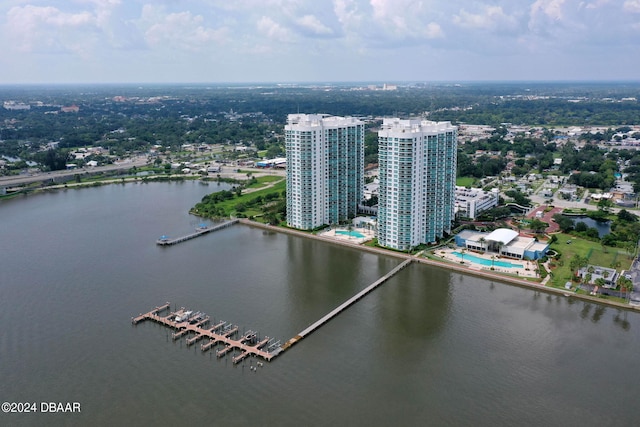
column 603, row 227
column 427, row 348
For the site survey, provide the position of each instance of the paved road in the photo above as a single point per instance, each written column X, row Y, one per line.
column 566, row 204
column 561, row 203
column 13, row 181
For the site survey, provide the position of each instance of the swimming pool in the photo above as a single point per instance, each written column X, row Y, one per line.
column 350, row 234
column 487, row 262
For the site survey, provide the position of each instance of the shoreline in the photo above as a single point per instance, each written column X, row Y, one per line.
column 447, row 266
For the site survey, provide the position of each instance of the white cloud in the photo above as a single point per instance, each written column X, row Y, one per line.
column 346, row 11
column 330, row 36
column 632, row 6
column 273, row 30
column 396, row 20
column 433, row 31
column 42, row 29
column 596, row 4
column 182, row 30
column 491, row 18
column 543, row 10
column 313, row 24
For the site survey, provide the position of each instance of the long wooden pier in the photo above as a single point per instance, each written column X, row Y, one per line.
column 166, row 241
column 222, row 333
column 344, row 305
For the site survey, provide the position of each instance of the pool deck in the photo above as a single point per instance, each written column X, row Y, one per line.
column 367, row 235
column 528, row 268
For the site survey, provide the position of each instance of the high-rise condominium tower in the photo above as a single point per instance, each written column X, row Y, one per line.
column 325, row 169
column 417, row 181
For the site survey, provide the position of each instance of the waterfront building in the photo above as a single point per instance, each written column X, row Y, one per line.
column 502, row 242
column 417, row 173
column 325, row 169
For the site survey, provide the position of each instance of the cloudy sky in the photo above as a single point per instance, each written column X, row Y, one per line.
column 96, row 41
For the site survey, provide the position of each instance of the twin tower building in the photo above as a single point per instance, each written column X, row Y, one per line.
column 417, row 174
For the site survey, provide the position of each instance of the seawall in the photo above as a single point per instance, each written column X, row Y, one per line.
column 446, row 265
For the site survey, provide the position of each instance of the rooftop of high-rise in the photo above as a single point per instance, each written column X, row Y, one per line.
column 316, row 119
column 415, row 125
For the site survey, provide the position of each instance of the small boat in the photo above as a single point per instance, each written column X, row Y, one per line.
column 184, row 316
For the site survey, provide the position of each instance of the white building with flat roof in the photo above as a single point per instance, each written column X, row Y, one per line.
column 417, row 173
column 503, row 242
column 325, row 169
column 472, row 201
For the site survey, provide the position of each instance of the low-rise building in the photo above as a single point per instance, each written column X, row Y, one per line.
column 279, row 162
column 591, row 273
column 13, row 105
column 502, row 242
column 569, row 192
column 371, row 189
column 472, row 201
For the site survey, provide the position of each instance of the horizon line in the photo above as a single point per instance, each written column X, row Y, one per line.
column 325, row 83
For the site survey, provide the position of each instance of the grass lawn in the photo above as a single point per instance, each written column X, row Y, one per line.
column 465, row 181
column 264, row 180
column 229, row 205
column 583, row 248
column 611, row 257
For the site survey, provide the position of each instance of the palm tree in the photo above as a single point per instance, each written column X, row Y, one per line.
column 482, row 241
column 462, row 251
column 587, row 278
column 493, row 257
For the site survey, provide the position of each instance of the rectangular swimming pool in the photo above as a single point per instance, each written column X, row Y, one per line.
column 487, row 262
column 350, row 234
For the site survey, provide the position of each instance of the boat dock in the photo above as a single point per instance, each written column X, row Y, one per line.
column 345, row 305
column 185, row 322
column 166, row 241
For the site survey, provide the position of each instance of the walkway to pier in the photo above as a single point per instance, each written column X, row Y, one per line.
column 222, row 333
column 345, row 305
column 165, row 241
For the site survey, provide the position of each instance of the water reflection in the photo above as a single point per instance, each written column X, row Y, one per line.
column 597, row 315
column 321, row 276
column 622, row 321
column 417, row 302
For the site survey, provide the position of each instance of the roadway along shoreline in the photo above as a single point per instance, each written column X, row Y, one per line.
column 18, row 180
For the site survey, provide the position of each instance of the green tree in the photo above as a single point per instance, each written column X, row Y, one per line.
column 565, row 223
column 605, row 205
column 538, row 226
column 577, row 262
column 581, row 227
column 626, row 216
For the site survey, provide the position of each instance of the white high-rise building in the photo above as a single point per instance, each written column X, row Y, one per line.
column 417, row 176
column 325, row 169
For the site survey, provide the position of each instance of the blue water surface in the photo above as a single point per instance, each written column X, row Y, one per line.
column 487, row 262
